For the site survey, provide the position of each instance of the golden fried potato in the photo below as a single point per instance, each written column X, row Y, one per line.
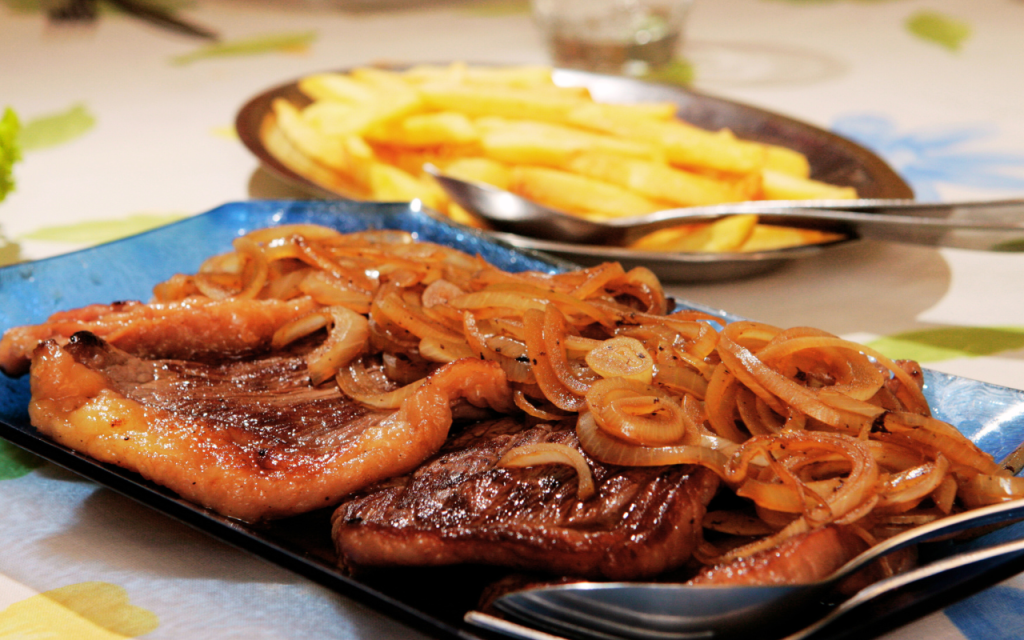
column 460, row 73
column 781, row 186
column 787, row 161
column 768, row 237
column 725, row 235
column 660, row 181
column 331, row 150
column 391, row 184
column 484, row 170
column 579, row 194
column 336, row 87
column 682, row 144
column 425, row 130
column 516, row 141
column 507, row 102
column 373, row 129
column 460, row 215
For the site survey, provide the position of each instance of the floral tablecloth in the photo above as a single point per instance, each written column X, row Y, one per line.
column 127, row 126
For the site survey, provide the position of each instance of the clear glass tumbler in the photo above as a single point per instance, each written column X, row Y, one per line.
column 631, row 37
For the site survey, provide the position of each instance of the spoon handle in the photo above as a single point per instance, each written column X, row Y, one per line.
column 1000, row 513
column 985, row 224
column 506, row 627
column 990, row 210
column 886, row 598
column 915, row 588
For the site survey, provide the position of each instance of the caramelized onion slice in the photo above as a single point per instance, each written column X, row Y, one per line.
column 539, row 453
column 903, row 490
column 350, row 333
column 554, row 332
column 552, row 388
column 531, row 409
column 371, row 387
column 810, row 351
column 332, row 291
column 611, row 450
column 255, row 271
column 857, row 487
column 437, row 350
column 782, row 393
column 985, row 489
column 943, row 437
column 636, row 412
column 622, row 357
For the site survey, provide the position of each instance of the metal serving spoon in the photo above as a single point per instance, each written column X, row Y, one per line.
column 988, row 224
column 672, row 611
column 890, row 596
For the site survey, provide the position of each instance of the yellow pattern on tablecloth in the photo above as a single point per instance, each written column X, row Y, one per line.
column 82, row 611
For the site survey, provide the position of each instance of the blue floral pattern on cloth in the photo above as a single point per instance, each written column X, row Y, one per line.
column 927, row 159
column 993, row 613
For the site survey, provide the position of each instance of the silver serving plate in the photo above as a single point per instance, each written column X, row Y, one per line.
column 833, row 159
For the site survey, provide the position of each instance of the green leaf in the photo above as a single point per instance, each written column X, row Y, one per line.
column 56, row 128
column 939, row 29
column 497, row 8
column 1010, row 246
column 16, row 462
column 251, row 46
column 947, row 343
column 99, row 231
column 10, row 252
column 25, row 6
column 10, row 151
column 676, row 72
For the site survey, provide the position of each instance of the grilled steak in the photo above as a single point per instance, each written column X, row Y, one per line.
column 249, row 438
column 804, row 558
column 458, row 507
column 808, row 557
column 190, row 328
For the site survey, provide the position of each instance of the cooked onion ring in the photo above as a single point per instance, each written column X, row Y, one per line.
column 811, row 428
column 538, row 453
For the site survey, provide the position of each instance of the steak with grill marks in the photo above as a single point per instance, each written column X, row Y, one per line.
column 249, row 438
column 194, row 328
column 459, row 507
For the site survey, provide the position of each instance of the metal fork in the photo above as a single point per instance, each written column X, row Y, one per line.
column 923, row 585
column 890, row 597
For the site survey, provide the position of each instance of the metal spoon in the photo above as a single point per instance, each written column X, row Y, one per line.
column 988, row 224
column 648, row 611
column 891, row 596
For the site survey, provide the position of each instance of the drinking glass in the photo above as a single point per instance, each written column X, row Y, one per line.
column 632, row 37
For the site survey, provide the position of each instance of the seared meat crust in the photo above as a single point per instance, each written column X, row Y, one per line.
column 458, row 507
column 248, row 438
column 194, row 328
column 807, row 557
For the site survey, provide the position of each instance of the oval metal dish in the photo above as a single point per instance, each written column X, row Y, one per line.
column 833, row 159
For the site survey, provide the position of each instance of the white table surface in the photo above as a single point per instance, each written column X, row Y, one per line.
column 160, row 146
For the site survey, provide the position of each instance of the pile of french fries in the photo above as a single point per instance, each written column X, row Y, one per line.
column 367, row 134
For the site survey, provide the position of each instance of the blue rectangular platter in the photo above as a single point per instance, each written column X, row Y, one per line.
column 128, row 269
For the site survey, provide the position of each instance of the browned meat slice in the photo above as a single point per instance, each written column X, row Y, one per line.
column 808, row 557
column 248, row 438
column 804, row 558
column 460, row 508
column 191, row 328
